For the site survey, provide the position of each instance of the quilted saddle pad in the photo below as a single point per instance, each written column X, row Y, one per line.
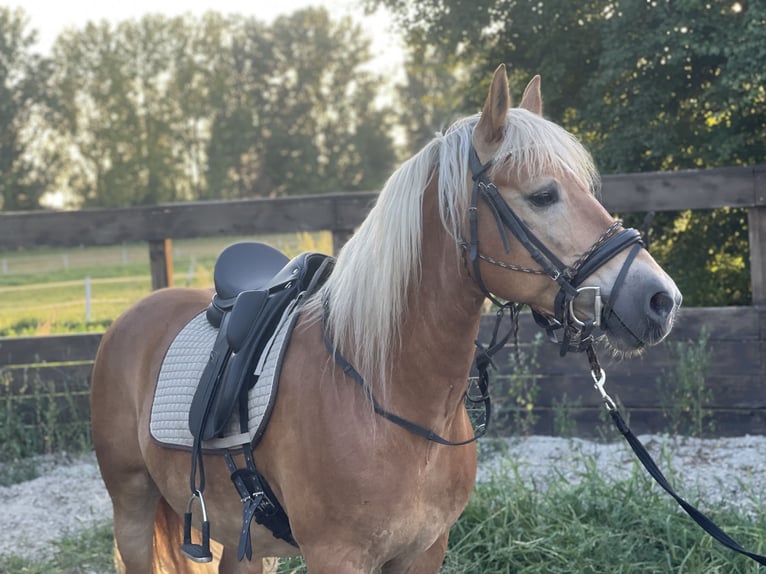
column 181, row 371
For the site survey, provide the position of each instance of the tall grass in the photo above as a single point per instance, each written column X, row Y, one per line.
column 594, row 526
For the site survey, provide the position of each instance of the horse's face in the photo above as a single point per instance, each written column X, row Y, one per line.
column 558, row 208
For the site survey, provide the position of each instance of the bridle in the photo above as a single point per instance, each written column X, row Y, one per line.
column 577, row 334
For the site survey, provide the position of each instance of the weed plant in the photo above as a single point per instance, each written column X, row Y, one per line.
column 35, row 419
column 683, row 390
column 517, row 413
column 564, row 423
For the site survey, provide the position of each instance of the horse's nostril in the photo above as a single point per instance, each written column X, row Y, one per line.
column 661, row 304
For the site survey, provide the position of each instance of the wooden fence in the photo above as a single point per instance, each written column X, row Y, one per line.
column 58, row 367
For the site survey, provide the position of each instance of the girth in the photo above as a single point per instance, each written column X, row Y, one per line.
column 577, row 333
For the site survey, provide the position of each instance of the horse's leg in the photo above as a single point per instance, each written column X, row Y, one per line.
column 135, row 503
column 427, row 563
column 133, row 492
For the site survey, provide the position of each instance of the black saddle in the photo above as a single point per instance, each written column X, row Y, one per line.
column 254, row 285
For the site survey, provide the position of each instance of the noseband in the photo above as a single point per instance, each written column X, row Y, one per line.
column 577, row 334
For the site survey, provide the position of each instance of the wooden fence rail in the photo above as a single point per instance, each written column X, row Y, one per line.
column 737, row 334
column 736, row 375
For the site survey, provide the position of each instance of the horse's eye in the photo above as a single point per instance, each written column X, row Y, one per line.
column 544, row 197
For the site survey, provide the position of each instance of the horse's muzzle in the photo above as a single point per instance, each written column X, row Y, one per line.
column 643, row 313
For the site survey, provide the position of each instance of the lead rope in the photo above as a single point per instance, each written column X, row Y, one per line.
column 599, row 379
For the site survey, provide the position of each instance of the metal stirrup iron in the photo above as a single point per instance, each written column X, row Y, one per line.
column 196, row 552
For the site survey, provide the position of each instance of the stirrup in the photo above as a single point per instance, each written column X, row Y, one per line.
column 196, row 552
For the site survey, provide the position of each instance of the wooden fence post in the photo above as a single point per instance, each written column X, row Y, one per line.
column 756, row 224
column 161, row 263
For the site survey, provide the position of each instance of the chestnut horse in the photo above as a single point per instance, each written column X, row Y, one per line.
column 403, row 304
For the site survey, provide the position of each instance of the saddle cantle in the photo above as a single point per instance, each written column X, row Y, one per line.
column 254, row 285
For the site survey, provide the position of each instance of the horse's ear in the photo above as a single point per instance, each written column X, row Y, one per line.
column 532, row 99
column 490, row 130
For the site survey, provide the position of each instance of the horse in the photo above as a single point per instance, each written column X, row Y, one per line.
column 366, row 493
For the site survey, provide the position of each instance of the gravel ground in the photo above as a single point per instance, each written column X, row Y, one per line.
column 69, row 495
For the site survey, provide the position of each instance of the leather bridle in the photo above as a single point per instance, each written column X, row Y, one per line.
column 577, row 333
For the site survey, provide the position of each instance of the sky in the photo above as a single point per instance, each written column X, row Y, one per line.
column 50, row 18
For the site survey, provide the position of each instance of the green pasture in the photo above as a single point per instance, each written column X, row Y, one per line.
column 42, row 291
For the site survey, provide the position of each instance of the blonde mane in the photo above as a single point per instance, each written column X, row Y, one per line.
column 367, row 292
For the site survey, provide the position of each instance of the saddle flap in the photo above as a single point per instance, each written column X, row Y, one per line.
column 248, row 323
column 244, row 317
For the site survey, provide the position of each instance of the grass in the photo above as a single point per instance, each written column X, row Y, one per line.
column 86, row 552
column 514, row 526
column 596, row 526
column 42, row 291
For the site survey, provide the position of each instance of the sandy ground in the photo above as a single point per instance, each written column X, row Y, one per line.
column 69, row 495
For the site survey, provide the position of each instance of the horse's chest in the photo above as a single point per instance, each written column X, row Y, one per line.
column 431, row 502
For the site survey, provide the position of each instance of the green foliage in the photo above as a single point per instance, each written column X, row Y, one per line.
column 648, row 86
column 595, row 525
column 166, row 109
column 564, row 424
column 88, row 551
column 15, row 441
column 36, row 417
column 23, row 76
column 706, row 252
column 683, row 390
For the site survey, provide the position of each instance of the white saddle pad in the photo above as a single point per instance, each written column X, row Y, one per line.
column 181, row 371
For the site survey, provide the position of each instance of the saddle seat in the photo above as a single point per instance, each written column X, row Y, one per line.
column 255, row 284
column 244, row 266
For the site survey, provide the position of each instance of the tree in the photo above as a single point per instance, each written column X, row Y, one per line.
column 120, row 113
column 647, row 85
column 164, row 109
column 295, row 112
column 23, row 98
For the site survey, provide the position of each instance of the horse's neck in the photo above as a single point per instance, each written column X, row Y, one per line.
column 444, row 310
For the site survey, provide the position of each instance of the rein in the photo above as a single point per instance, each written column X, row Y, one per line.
column 599, row 378
column 482, row 362
column 577, row 333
